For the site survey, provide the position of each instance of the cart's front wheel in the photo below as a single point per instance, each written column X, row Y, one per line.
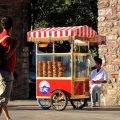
column 44, row 103
column 59, row 100
column 78, row 103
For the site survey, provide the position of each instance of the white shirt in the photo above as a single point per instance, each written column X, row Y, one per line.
column 102, row 74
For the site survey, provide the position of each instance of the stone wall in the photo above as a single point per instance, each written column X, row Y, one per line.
column 21, row 85
column 109, row 26
column 18, row 10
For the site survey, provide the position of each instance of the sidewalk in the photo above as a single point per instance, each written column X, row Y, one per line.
column 29, row 110
column 33, row 103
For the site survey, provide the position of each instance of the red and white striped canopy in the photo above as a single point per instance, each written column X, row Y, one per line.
column 61, row 33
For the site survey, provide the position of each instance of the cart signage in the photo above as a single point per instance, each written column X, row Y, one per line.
column 44, row 87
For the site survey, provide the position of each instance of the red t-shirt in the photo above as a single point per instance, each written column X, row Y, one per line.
column 9, row 65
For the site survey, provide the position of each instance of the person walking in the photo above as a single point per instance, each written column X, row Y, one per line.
column 8, row 61
column 98, row 77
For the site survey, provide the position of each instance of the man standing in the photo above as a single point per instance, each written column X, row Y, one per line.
column 97, row 78
column 7, row 66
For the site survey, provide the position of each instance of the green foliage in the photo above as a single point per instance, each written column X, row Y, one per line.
column 49, row 13
column 94, row 51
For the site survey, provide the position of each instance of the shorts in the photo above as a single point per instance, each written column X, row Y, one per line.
column 6, row 81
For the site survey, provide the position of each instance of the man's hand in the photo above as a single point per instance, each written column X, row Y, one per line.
column 91, row 81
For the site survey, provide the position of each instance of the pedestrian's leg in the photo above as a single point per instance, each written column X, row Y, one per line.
column 1, row 100
column 93, row 90
column 5, row 110
column 7, row 96
column 92, row 95
column 0, row 110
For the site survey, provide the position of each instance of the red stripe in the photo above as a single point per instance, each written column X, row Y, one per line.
column 61, row 33
column 28, row 34
column 92, row 33
column 39, row 33
column 85, row 31
column 66, row 33
column 89, row 32
column 55, row 34
column 44, row 32
column 72, row 33
column 50, row 34
column 34, row 35
column 81, row 35
column 77, row 32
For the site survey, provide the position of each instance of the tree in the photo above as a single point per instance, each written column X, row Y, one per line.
column 49, row 13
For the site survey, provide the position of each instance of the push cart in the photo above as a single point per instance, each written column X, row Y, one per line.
column 63, row 71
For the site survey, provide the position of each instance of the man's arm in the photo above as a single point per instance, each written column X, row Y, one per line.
column 98, row 81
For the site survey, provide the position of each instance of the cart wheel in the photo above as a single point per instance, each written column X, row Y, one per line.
column 78, row 103
column 59, row 100
column 44, row 103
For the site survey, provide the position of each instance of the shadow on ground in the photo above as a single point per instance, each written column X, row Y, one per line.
column 36, row 107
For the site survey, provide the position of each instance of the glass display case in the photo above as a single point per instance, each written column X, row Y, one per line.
column 52, row 63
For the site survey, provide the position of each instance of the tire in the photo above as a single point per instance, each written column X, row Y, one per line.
column 78, row 103
column 44, row 103
column 59, row 100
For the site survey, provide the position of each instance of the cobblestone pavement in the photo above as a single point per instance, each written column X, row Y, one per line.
column 29, row 110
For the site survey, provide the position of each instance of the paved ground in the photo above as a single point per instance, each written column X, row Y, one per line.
column 29, row 110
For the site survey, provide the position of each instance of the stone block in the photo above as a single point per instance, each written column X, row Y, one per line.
column 118, row 40
column 118, row 14
column 119, row 102
column 106, row 24
column 116, row 24
column 113, row 3
column 101, row 19
column 116, row 61
column 110, row 101
column 112, row 52
column 111, row 92
column 26, row 49
column 24, row 54
column 101, row 24
column 25, row 65
column 113, row 80
column 112, row 17
column 115, row 30
column 108, row 11
column 25, row 60
column 103, row 4
column 107, row 30
column 19, row 60
column 110, row 67
column 112, row 37
column 101, row 29
column 102, row 12
column 103, row 51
